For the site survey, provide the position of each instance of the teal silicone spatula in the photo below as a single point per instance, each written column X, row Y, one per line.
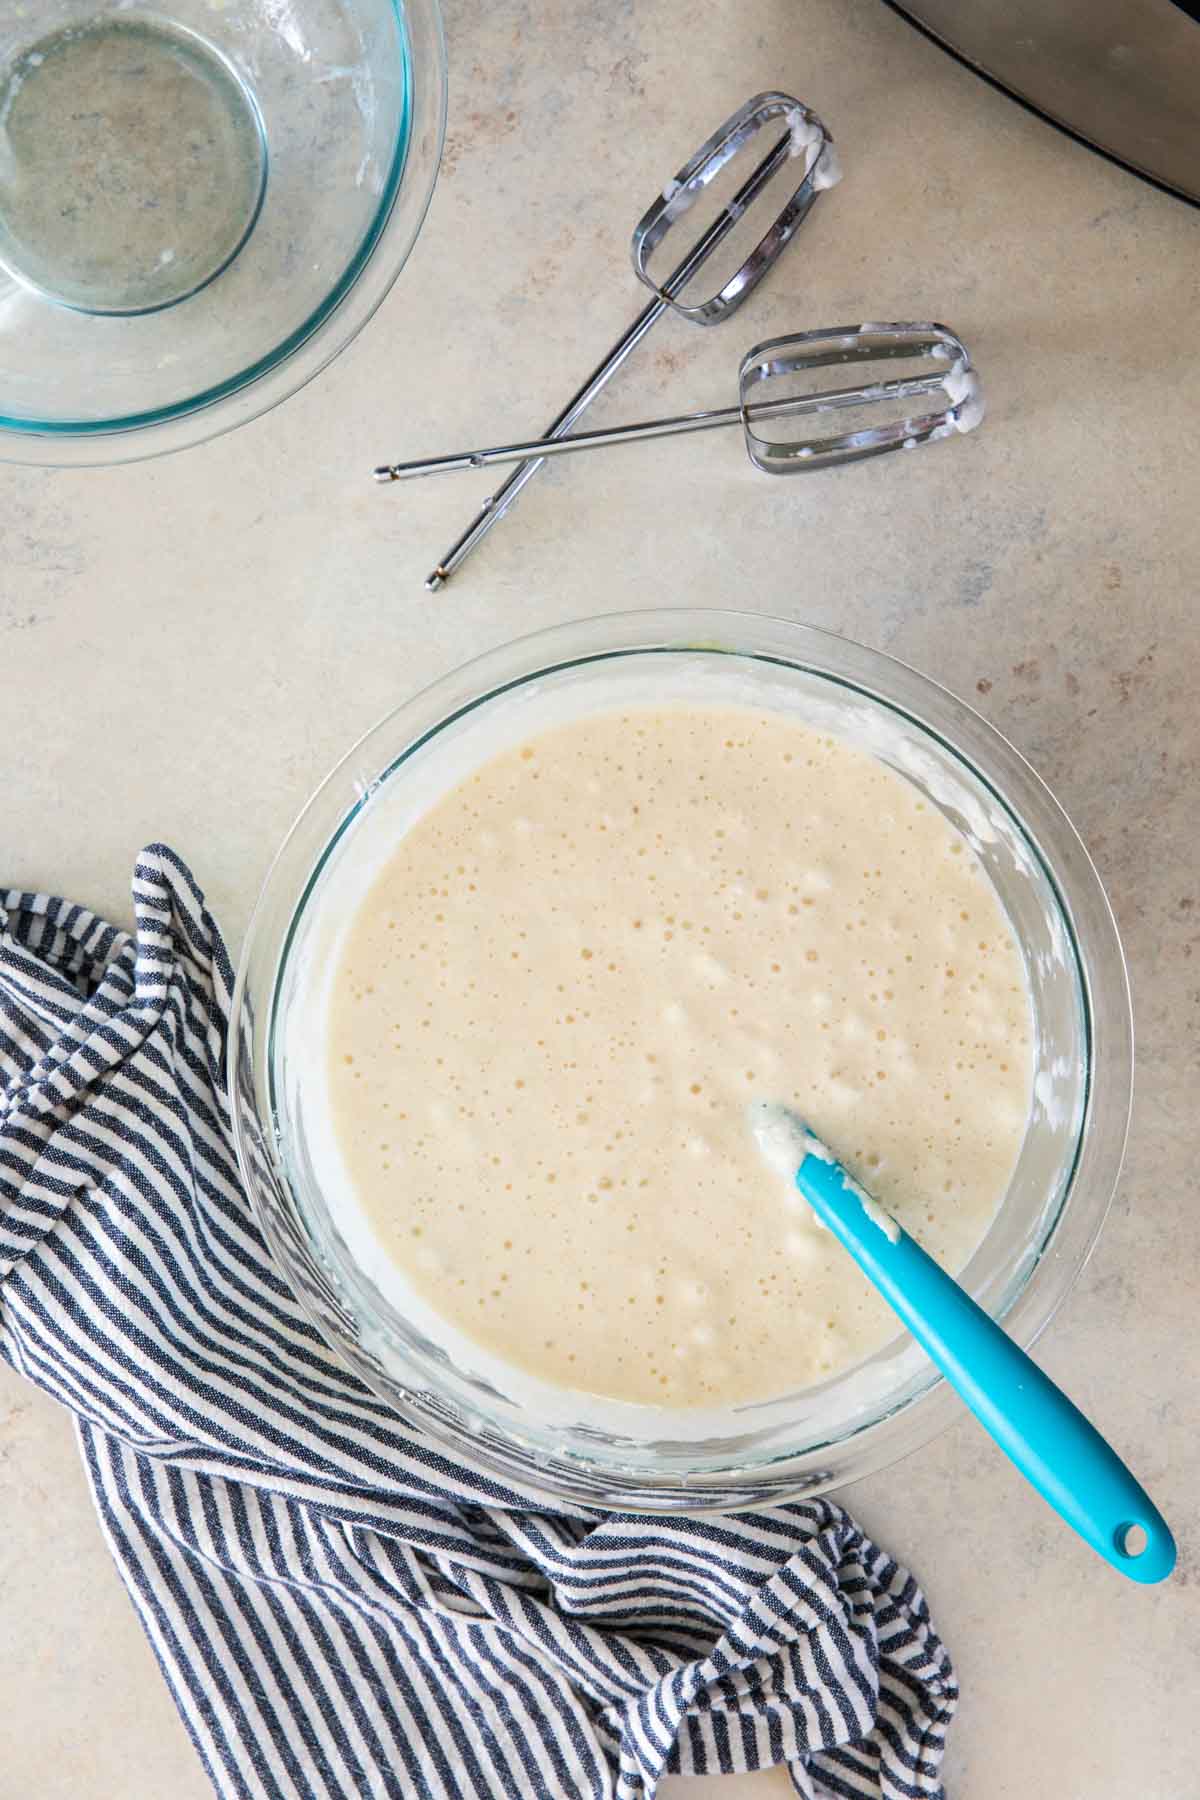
column 1034, row 1423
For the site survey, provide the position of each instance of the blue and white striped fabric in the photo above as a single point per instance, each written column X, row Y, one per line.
column 340, row 1611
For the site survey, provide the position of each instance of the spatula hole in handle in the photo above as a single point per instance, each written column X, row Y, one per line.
column 1132, row 1540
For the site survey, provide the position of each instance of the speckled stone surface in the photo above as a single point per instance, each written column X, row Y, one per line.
column 186, row 646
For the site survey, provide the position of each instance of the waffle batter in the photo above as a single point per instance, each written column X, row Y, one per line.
column 555, row 1004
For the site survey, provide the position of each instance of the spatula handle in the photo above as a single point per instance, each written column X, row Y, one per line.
column 1031, row 1419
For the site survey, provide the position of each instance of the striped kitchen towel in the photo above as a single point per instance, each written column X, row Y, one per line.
column 339, row 1610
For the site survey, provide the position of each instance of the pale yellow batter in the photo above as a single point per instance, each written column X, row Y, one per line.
column 557, row 1001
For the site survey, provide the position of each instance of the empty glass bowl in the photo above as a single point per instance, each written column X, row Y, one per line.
column 863, row 1418
column 199, row 207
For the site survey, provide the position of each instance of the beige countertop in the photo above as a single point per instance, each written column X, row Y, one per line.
column 186, row 647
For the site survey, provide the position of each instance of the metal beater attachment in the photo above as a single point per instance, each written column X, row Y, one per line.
column 880, row 411
column 875, row 413
column 807, row 140
column 726, row 199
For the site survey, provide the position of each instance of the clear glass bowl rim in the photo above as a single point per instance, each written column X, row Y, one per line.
column 1043, row 822
column 311, row 347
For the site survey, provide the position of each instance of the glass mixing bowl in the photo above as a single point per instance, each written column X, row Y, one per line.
column 200, row 205
column 817, row 1437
